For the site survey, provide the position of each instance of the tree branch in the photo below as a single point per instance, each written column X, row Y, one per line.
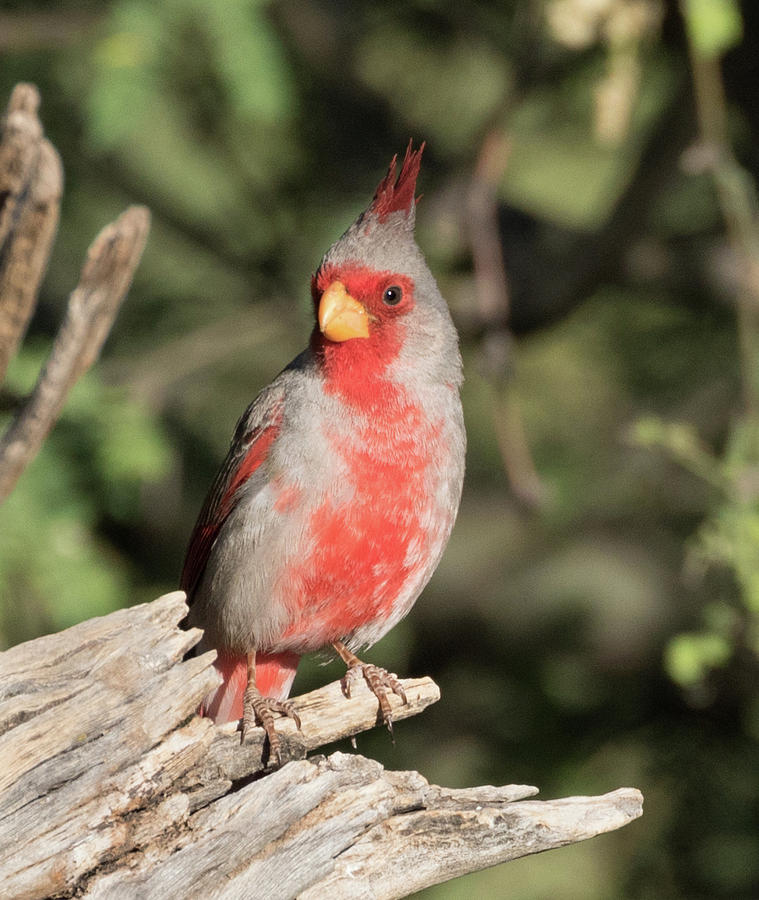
column 478, row 828
column 92, row 308
column 31, row 183
column 27, row 252
column 19, row 147
column 112, row 787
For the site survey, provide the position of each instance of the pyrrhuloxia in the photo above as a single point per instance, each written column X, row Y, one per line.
column 343, row 478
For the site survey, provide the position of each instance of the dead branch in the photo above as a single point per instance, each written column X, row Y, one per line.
column 31, row 183
column 477, row 828
column 92, row 308
column 19, row 148
column 112, row 787
column 27, row 254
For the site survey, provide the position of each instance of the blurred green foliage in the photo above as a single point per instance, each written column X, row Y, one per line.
column 714, row 25
column 608, row 637
column 55, row 568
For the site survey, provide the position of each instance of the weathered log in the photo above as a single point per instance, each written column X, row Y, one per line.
column 111, row 786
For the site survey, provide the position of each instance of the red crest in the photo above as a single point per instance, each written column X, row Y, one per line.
column 395, row 195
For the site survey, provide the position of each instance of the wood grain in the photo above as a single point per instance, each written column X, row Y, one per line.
column 112, row 787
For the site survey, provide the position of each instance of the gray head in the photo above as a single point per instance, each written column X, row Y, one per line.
column 378, row 305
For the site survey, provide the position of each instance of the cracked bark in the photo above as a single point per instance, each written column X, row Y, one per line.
column 111, row 786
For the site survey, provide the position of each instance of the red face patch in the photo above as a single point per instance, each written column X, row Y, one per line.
column 369, row 287
column 354, row 368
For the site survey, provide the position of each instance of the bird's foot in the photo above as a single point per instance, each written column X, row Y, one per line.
column 259, row 710
column 380, row 682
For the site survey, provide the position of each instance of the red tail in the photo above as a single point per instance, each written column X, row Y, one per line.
column 275, row 673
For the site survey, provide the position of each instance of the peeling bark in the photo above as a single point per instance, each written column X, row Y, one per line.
column 112, row 787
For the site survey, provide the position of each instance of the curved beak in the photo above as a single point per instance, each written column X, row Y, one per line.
column 341, row 317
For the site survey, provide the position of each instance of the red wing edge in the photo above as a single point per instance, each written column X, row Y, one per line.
column 223, row 496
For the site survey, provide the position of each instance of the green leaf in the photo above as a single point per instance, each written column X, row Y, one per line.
column 714, row 26
column 690, row 656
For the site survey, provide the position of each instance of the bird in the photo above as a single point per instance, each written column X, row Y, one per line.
column 343, row 478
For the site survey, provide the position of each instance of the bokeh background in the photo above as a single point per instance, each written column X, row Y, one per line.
column 594, row 621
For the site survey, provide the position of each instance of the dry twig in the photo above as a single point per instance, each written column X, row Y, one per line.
column 19, row 148
column 31, row 183
column 92, row 307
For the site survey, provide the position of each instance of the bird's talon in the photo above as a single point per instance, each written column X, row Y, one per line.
column 289, row 711
column 378, row 680
column 259, row 710
column 354, row 673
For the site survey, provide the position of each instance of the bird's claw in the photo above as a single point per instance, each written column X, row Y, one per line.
column 259, row 710
column 380, row 683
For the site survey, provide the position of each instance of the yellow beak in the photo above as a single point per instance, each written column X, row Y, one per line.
column 340, row 316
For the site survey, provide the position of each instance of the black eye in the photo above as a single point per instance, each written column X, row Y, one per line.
column 392, row 296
